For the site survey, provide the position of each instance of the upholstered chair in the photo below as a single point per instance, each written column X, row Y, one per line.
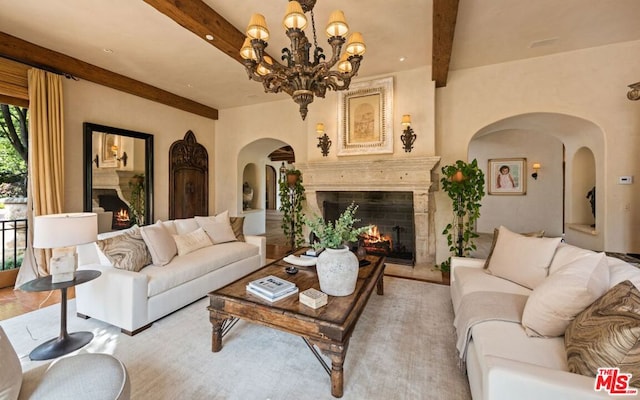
column 84, row 376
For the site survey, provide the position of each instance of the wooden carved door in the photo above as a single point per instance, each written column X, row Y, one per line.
column 188, row 178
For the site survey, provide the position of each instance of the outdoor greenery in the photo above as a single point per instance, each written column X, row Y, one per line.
column 292, row 195
column 334, row 235
column 14, row 137
column 464, row 184
column 136, row 184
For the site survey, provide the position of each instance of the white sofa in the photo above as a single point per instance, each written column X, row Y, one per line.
column 133, row 300
column 502, row 361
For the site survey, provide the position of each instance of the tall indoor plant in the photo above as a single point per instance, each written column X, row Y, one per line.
column 291, row 193
column 337, row 266
column 464, row 184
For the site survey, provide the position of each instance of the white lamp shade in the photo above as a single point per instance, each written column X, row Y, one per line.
column 62, row 230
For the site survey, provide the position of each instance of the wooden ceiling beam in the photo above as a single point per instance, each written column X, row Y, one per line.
column 197, row 17
column 28, row 53
column 445, row 13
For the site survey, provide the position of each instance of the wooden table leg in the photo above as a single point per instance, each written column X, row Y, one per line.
column 336, row 352
column 217, row 322
column 380, row 285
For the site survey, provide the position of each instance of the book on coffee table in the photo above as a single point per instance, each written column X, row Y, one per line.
column 264, row 296
column 271, row 286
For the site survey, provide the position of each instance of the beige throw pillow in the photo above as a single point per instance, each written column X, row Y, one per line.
column 185, row 225
column 127, row 251
column 159, row 242
column 560, row 297
column 496, row 232
column 191, row 241
column 520, row 259
column 607, row 334
column 219, row 232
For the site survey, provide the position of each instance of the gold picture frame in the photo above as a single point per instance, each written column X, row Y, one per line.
column 507, row 176
column 365, row 115
column 109, row 146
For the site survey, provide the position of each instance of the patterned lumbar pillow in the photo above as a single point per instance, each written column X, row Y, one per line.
column 192, row 241
column 237, row 224
column 607, row 334
column 127, row 251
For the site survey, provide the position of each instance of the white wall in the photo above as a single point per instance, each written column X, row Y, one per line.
column 88, row 102
column 541, row 207
column 590, row 84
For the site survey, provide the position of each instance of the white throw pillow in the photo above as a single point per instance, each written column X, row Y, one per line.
column 521, row 259
column 222, row 217
column 159, row 242
column 192, row 241
column 185, row 225
column 555, row 302
column 219, row 232
column 11, row 377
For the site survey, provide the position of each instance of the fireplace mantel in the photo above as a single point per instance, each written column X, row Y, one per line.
column 411, row 174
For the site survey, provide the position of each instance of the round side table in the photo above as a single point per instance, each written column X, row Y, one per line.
column 66, row 342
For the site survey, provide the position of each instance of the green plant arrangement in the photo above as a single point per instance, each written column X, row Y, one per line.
column 464, row 184
column 334, row 235
column 291, row 193
column 136, row 204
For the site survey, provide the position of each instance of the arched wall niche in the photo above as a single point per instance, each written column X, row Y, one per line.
column 584, row 180
column 255, row 154
column 250, row 177
column 530, row 135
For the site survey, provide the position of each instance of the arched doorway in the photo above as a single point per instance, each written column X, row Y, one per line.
column 555, row 201
column 271, row 186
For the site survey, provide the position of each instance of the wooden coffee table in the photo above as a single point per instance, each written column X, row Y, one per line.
column 329, row 328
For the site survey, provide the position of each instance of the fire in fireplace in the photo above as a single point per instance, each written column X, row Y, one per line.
column 121, row 219
column 391, row 215
column 109, row 200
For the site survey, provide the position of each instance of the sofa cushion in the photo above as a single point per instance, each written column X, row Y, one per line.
column 561, row 296
column 170, row 226
column 185, row 225
column 509, row 340
column 219, row 232
column 192, row 241
column 126, row 251
column 159, row 242
column 520, row 259
column 607, row 334
column 468, row 280
column 196, row 264
column 496, row 232
column 237, row 224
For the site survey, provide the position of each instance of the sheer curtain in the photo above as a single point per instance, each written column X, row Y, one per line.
column 46, row 163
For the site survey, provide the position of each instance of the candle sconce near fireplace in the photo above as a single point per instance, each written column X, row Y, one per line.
column 324, row 143
column 407, row 137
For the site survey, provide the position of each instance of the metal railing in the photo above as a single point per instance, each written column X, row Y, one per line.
column 14, row 242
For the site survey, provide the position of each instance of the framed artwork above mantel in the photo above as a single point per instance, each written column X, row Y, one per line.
column 365, row 113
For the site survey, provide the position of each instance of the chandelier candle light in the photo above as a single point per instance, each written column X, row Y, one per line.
column 301, row 77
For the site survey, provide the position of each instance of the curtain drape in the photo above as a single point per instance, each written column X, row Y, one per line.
column 46, row 163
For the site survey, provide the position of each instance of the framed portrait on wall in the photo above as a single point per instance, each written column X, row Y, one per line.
column 109, row 146
column 365, row 115
column 507, row 176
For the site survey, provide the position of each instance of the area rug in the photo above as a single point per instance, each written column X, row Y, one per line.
column 403, row 347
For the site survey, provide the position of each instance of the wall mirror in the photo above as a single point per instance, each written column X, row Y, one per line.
column 118, row 176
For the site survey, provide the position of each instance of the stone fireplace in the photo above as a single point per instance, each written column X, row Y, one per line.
column 411, row 174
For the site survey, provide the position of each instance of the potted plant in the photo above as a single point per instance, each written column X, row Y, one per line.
column 337, row 266
column 291, row 193
column 464, row 184
column 136, row 204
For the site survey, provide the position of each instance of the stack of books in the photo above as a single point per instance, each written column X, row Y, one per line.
column 272, row 288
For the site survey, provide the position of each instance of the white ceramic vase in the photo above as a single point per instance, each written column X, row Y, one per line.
column 337, row 271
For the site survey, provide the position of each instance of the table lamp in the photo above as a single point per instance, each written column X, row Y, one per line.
column 61, row 233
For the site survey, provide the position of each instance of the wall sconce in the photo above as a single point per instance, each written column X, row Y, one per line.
column 634, row 93
column 324, row 143
column 536, row 167
column 408, row 137
column 123, row 158
column 97, row 161
column 283, row 171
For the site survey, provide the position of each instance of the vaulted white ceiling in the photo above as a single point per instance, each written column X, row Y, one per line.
column 148, row 46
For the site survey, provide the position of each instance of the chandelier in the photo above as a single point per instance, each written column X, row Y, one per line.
column 299, row 76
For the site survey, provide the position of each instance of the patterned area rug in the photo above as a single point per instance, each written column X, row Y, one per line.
column 403, row 347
